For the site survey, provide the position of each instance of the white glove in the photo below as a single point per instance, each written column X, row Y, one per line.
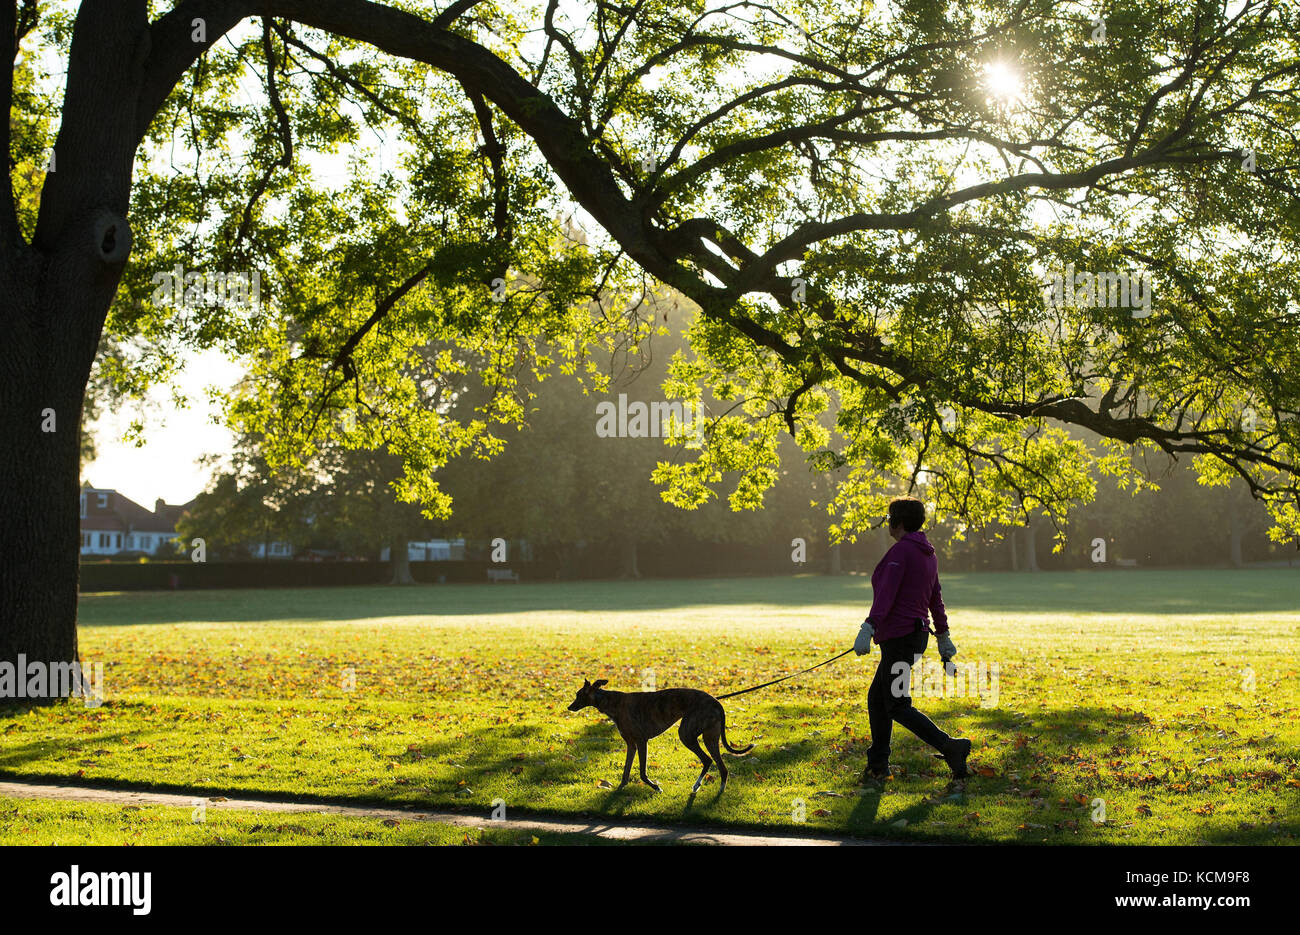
column 862, row 645
column 946, row 648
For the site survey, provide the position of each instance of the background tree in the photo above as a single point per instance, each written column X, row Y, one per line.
column 558, row 482
column 245, row 506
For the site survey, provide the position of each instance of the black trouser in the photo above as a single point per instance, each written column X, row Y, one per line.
column 890, row 697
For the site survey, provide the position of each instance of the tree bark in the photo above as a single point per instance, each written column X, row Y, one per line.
column 1031, row 547
column 399, row 557
column 54, row 296
column 41, row 369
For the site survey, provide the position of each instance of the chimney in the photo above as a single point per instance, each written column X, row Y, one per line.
column 158, row 506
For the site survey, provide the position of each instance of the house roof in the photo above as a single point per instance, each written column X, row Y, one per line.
column 122, row 514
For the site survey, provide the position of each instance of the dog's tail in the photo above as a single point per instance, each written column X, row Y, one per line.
column 730, row 749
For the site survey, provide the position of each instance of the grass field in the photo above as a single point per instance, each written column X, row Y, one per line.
column 1167, row 698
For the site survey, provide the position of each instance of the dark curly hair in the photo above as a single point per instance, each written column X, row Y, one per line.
column 908, row 511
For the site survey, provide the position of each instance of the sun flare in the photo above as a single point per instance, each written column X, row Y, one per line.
column 1002, row 81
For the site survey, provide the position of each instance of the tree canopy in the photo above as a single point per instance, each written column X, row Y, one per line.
column 867, row 202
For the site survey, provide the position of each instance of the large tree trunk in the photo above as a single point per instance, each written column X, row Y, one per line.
column 54, row 296
column 42, row 377
column 400, row 559
column 1031, row 547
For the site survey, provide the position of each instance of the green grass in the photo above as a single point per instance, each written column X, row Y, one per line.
column 1133, row 687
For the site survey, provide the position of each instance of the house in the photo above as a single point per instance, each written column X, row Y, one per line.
column 112, row 523
column 277, row 549
column 435, row 550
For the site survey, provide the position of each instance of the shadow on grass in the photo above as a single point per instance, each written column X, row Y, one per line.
column 1047, row 773
column 1045, row 777
column 915, row 769
column 14, row 755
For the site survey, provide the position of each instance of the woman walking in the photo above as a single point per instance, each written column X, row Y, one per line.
column 905, row 588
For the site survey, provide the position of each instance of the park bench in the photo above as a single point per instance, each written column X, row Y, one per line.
column 502, row 574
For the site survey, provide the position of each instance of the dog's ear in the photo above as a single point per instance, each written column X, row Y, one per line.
column 586, row 684
column 599, row 682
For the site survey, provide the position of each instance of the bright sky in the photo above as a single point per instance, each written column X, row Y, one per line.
column 166, row 465
column 174, row 439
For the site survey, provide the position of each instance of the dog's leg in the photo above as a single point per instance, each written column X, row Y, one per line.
column 691, row 740
column 627, row 765
column 711, row 735
column 640, row 750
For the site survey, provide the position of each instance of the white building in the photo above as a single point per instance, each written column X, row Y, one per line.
column 275, row 550
column 435, row 550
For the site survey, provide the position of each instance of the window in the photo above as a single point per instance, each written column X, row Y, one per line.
column 117, row 541
column 103, row 501
column 82, row 498
column 103, row 540
column 130, row 542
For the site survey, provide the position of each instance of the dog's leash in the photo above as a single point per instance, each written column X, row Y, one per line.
column 783, row 678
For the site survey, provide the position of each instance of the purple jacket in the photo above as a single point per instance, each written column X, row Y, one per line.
column 904, row 586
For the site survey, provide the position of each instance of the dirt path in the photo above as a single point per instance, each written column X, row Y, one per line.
column 606, row 829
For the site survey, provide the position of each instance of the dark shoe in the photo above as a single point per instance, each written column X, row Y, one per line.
column 955, row 756
column 874, row 774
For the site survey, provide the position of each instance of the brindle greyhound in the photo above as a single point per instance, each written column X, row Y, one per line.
column 642, row 715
